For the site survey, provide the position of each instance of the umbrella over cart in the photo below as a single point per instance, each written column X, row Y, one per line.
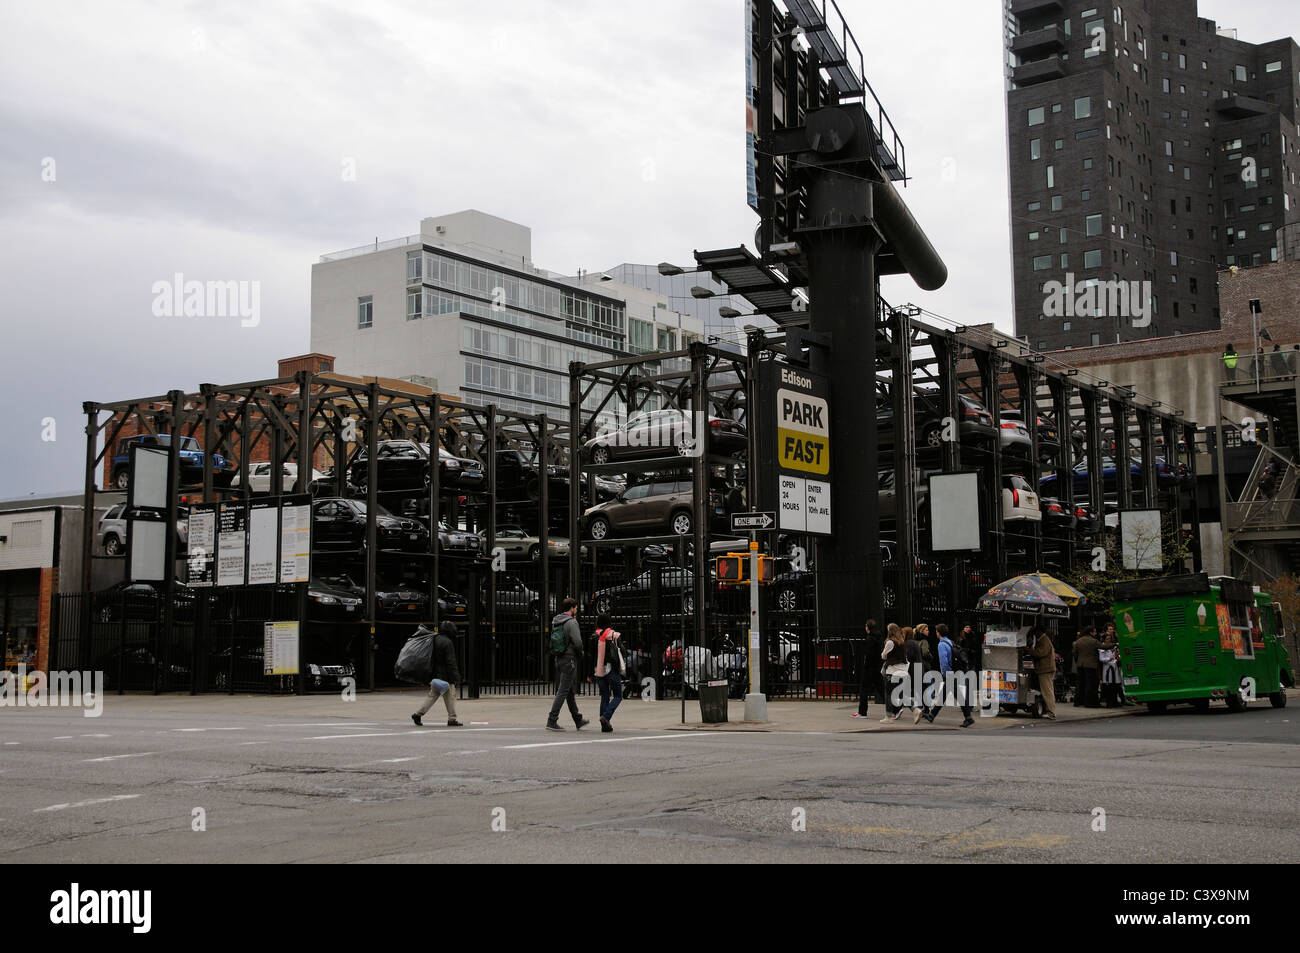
column 1034, row 593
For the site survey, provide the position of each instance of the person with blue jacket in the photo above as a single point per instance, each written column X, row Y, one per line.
column 946, row 666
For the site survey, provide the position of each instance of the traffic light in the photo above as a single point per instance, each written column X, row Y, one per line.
column 730, row 569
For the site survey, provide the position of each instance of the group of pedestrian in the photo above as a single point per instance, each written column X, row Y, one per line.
column 1275, row 363
column 1096, row 662
column 911, row 650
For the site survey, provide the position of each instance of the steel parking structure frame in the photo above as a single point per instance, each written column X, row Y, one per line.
column 239, row 419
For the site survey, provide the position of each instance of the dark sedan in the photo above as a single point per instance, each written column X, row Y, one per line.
column 341, row 524
column 974, row 422
column 633, row 598
column 1167, row 477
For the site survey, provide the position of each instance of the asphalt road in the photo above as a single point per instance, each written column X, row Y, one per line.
column 125, row 788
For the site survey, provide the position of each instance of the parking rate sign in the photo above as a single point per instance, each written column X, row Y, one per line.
column 802, row 452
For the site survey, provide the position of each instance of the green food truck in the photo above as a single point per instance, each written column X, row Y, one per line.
column 1192, row 639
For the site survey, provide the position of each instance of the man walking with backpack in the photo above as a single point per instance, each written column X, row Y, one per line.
column 952, row 658
column 566, row 649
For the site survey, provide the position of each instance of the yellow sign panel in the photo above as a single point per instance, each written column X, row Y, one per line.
column 802, row 451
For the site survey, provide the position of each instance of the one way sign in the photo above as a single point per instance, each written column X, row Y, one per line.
column 747, row 521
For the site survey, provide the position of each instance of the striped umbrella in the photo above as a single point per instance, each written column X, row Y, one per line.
column 1034, row 593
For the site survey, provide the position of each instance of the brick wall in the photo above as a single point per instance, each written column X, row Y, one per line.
column 44, row 609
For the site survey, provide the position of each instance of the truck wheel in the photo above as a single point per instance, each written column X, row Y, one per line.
column 1278, row 698
column 1235, row 702
column 112, row 545
column 1157, row 708
column 122, row 480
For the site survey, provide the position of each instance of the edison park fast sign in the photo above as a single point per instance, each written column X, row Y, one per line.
column 799, row 409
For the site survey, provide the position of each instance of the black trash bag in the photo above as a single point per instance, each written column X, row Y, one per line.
column 415, row 660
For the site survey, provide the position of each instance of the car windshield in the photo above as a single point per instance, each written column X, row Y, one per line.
column 344, row 582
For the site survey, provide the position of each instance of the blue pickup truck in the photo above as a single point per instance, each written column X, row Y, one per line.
column 191, row 460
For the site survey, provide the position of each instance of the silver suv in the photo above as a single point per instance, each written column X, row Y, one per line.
column 113, row 531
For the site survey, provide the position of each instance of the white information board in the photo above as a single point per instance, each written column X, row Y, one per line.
column 295, row 543
column 148, row 540
column 955, row 512
column 263, row 539
column 202, row 546
column 148, row 487
column 280, row 648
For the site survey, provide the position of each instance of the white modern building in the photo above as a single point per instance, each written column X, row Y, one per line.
column 461, row 308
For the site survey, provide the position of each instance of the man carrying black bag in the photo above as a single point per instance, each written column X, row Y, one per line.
column 446, row 675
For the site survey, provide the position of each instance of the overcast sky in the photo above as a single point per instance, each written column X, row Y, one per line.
column 211, row 139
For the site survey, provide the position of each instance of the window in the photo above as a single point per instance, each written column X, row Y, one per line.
column 413, row 302
column 1092, row 258
column 1063, row 235
column 1239, row 73
column 1173, row 258
column 1065, row 261
column 414, row 260
column 1051, row 177
column 1034, row 151
column 1083, row 107
column 365, row 312
column 1033, row 236
column 1273, row 67
column 1094, row 339
column 1085, row 195
column 1086, row 134
column 1057, row 203
column 1065, row 326
column 1087, row 163
column 1093, row 225
column 1182, row 61
column 1042, row 263
column 1058, row 144
column 1036, row 116
column 1034, row 206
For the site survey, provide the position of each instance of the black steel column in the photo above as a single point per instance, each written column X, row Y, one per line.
column 544, row 529
column 841, row 244
column 372, row 530
column 990, row 368
column 575, row 474
column 91, row 411
column 1064, row 461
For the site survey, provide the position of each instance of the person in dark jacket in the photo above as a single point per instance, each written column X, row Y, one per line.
column 1087, row 662
column 446, row 675
column 567, row 665
column 870, row 673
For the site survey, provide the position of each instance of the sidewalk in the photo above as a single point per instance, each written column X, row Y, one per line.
column 395, row 706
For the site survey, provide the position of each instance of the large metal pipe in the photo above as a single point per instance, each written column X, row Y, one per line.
column 906, row 238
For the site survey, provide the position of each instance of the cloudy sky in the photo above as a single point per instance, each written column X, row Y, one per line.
column 240, row 141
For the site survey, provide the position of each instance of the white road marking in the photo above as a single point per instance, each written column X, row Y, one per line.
column 62, row 737
column 381, row 761
column 117, row 757
column 317, row 724
column 97, row 800
column 375, row 734
column 96, row 736
column 603, row 741
column 476, row 751
column 13, row 742
column 243, row 743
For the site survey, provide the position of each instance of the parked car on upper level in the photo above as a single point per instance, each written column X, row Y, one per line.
column 114, row 530
column 1049, row 437
column 660, row 507
column 1167, row 476
column 666, row 433
column 1019, row 501
column 974, row 424
column 341, row 524
column 259, row 477
column 191, row 456
column 518, row 543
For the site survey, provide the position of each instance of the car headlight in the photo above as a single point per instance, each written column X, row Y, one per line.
column 325, row 600
column 350, row 602
column 453, row 464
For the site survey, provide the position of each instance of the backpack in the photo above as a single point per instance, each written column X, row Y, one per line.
column 559, row 644
column 959, row 661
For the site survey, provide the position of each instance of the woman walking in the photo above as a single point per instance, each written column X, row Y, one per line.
column 893, row 658
column 609, row 670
